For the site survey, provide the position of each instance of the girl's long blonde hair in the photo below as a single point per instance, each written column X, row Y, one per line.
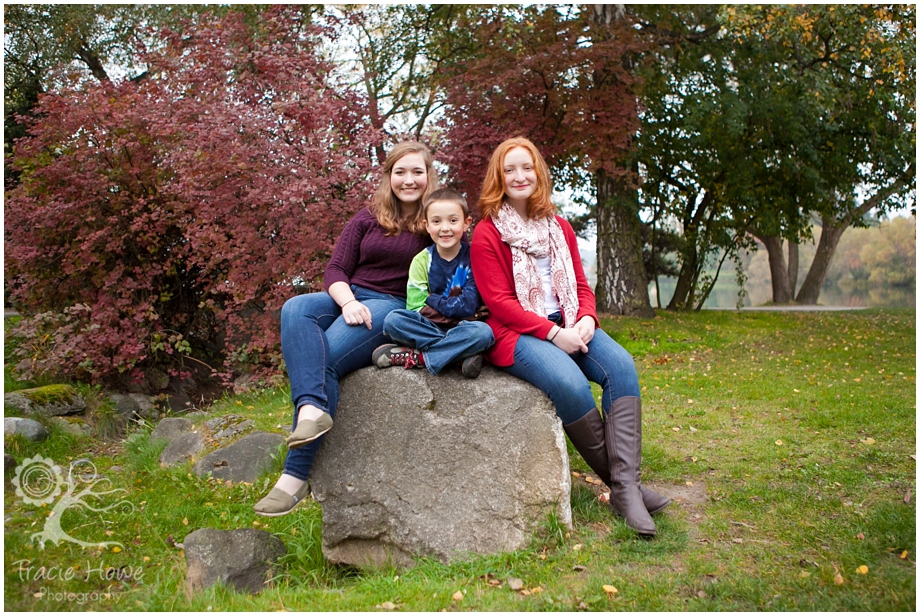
column 385, row 205
column 493, row 186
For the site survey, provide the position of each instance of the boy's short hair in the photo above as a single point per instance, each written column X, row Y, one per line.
column 446, row 194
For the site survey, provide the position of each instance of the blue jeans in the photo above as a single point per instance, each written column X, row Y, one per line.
column 320, row 348
column 440, row 347
column 565, row 378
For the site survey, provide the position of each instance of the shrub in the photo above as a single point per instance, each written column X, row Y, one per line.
column 168, row 218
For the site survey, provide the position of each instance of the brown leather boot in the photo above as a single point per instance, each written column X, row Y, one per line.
column 588, row 436
column 624, row 447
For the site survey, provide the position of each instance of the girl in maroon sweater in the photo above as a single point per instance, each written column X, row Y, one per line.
column 527, row 267
column 326, row 335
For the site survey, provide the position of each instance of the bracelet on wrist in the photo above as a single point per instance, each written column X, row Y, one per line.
column 554, row 334
column 353, row 299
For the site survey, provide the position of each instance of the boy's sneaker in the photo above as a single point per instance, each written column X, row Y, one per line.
column 387, row 355
column 472, row 366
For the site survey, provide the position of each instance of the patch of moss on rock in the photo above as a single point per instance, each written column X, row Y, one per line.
column 49, row 400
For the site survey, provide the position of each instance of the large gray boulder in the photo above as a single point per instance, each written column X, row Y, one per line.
column 47, row 401
column 438, row 466
column 240, row 559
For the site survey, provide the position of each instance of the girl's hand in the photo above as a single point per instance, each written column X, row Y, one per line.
column 569, row 340
column 356, row 313
column 585, row 328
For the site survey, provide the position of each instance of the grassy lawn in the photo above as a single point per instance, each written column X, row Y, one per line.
column 788, row 438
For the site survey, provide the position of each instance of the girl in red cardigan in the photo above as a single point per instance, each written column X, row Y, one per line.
column 525, row 261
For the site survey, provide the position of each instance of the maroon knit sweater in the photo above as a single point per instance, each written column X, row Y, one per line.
column 366, row 257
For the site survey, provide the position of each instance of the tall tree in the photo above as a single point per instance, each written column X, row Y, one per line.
column 622, row 283
column 847, row 76
column 564, row 82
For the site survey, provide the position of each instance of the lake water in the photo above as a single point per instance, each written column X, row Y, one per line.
column 725, row 295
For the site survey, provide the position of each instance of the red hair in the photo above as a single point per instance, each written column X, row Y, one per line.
column 493, row 186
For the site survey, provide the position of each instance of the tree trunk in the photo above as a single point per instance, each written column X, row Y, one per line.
column 622, row 286
column 831, row 230
column 793, row 268
column 685, row 279
column 622, row 283
column 783, row 292
column 830, row 236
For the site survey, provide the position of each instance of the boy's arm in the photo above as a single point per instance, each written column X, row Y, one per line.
column 463, row 299
column 417, row 287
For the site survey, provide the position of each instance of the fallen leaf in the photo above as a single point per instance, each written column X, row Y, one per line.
column 515, row 583
column 904, row 554
column 689, row 483
column 577, row 547
column 779, row 442
column 610, row 590
column 116, row 549
column 838, row 580
column 525, row 593
column 862, row 570
column 701, row 594
column 536, row 590
column 579, row 568
column 738, row 540
column 869, row 441
column 804, row 574
column 185, row 521
column 457, row 596
column 388, row 605
column 676, row 429
column 860, row 536
column 907, row 496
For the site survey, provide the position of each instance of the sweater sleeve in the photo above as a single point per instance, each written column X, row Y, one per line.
column 347, row 252
column 495, row 280
column 417, row 288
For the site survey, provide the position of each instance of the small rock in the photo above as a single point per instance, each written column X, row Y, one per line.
column 144, row 404
column 73, row 425
column 27, row 428
column 239, row 558
column 181, row 448
column 234, row 430
column 515, row 583
column 9, row 463
column 244, row 460
column 171, row 428
column 124, row 405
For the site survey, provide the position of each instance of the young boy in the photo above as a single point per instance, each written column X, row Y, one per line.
column 441, row 297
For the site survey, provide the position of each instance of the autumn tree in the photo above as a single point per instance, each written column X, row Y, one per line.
column 164, row 221
column 560, row 77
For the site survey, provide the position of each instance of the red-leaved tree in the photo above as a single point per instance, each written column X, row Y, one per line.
column 562, row 77
column 163, row 222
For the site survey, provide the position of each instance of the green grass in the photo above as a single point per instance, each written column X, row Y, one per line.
column 799, row 428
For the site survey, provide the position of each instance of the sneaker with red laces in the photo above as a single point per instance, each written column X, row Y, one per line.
column 387, row 355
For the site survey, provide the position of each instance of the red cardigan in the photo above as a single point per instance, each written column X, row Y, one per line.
column 491, row 261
